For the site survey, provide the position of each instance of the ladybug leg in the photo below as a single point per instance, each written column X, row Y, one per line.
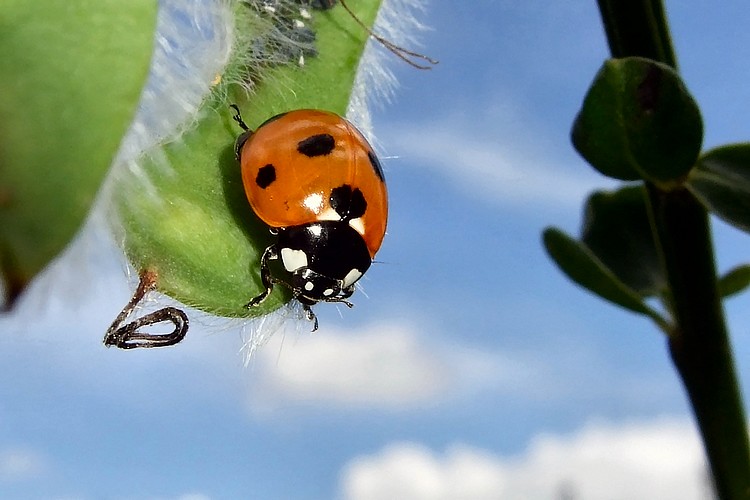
column 310, row 315
column 127, row 336
column 341, row 300
column 345, row 294
column 265, row 276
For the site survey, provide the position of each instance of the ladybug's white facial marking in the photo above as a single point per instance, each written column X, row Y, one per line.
column 293, row 259
column 315, row 229
column 351, row 277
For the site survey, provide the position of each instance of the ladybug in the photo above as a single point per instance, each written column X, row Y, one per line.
column 313, row 178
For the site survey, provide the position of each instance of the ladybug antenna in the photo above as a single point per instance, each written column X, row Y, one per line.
column 404, row 54
column 238, row 117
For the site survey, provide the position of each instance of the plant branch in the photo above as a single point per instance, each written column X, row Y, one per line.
column 699, row 343
column 637, row 28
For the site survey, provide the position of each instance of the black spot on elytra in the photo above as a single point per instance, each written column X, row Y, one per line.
column 316, row 145
column 266, row 176
column 376, row 165
column 347, row 202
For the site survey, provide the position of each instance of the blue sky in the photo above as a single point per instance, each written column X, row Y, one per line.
column 470, row 369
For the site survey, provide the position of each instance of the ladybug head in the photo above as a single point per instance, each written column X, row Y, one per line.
column 315, row 287
column 324, row 259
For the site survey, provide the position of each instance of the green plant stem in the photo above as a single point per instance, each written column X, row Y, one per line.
column 637, row 28
column 699, row 343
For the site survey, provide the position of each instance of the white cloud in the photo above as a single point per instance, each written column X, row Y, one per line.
column 20, row 463
column 384, row 366
column 503, row 171
column 194, row 496
column 394, row 366
column 658, row 459
column 184, row 496
column 412, row 471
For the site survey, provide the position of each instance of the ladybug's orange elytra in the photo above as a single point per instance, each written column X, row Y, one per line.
column 293, row 162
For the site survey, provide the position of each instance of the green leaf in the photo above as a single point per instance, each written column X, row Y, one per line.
column 188, row 217
column 721, row 182
column 734, row 281
column 71, row 75
column 617, row 230
column 638, row 121
column 577, row 261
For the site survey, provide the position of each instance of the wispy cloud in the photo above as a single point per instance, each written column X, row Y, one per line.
column 395, row 366
column 194, row 496
column 656, row 459
column 21, row 463
column 184, row 496
column 382, row 366
column 497, row 154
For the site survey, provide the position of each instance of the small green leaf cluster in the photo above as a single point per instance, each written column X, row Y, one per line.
column 639, row 122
